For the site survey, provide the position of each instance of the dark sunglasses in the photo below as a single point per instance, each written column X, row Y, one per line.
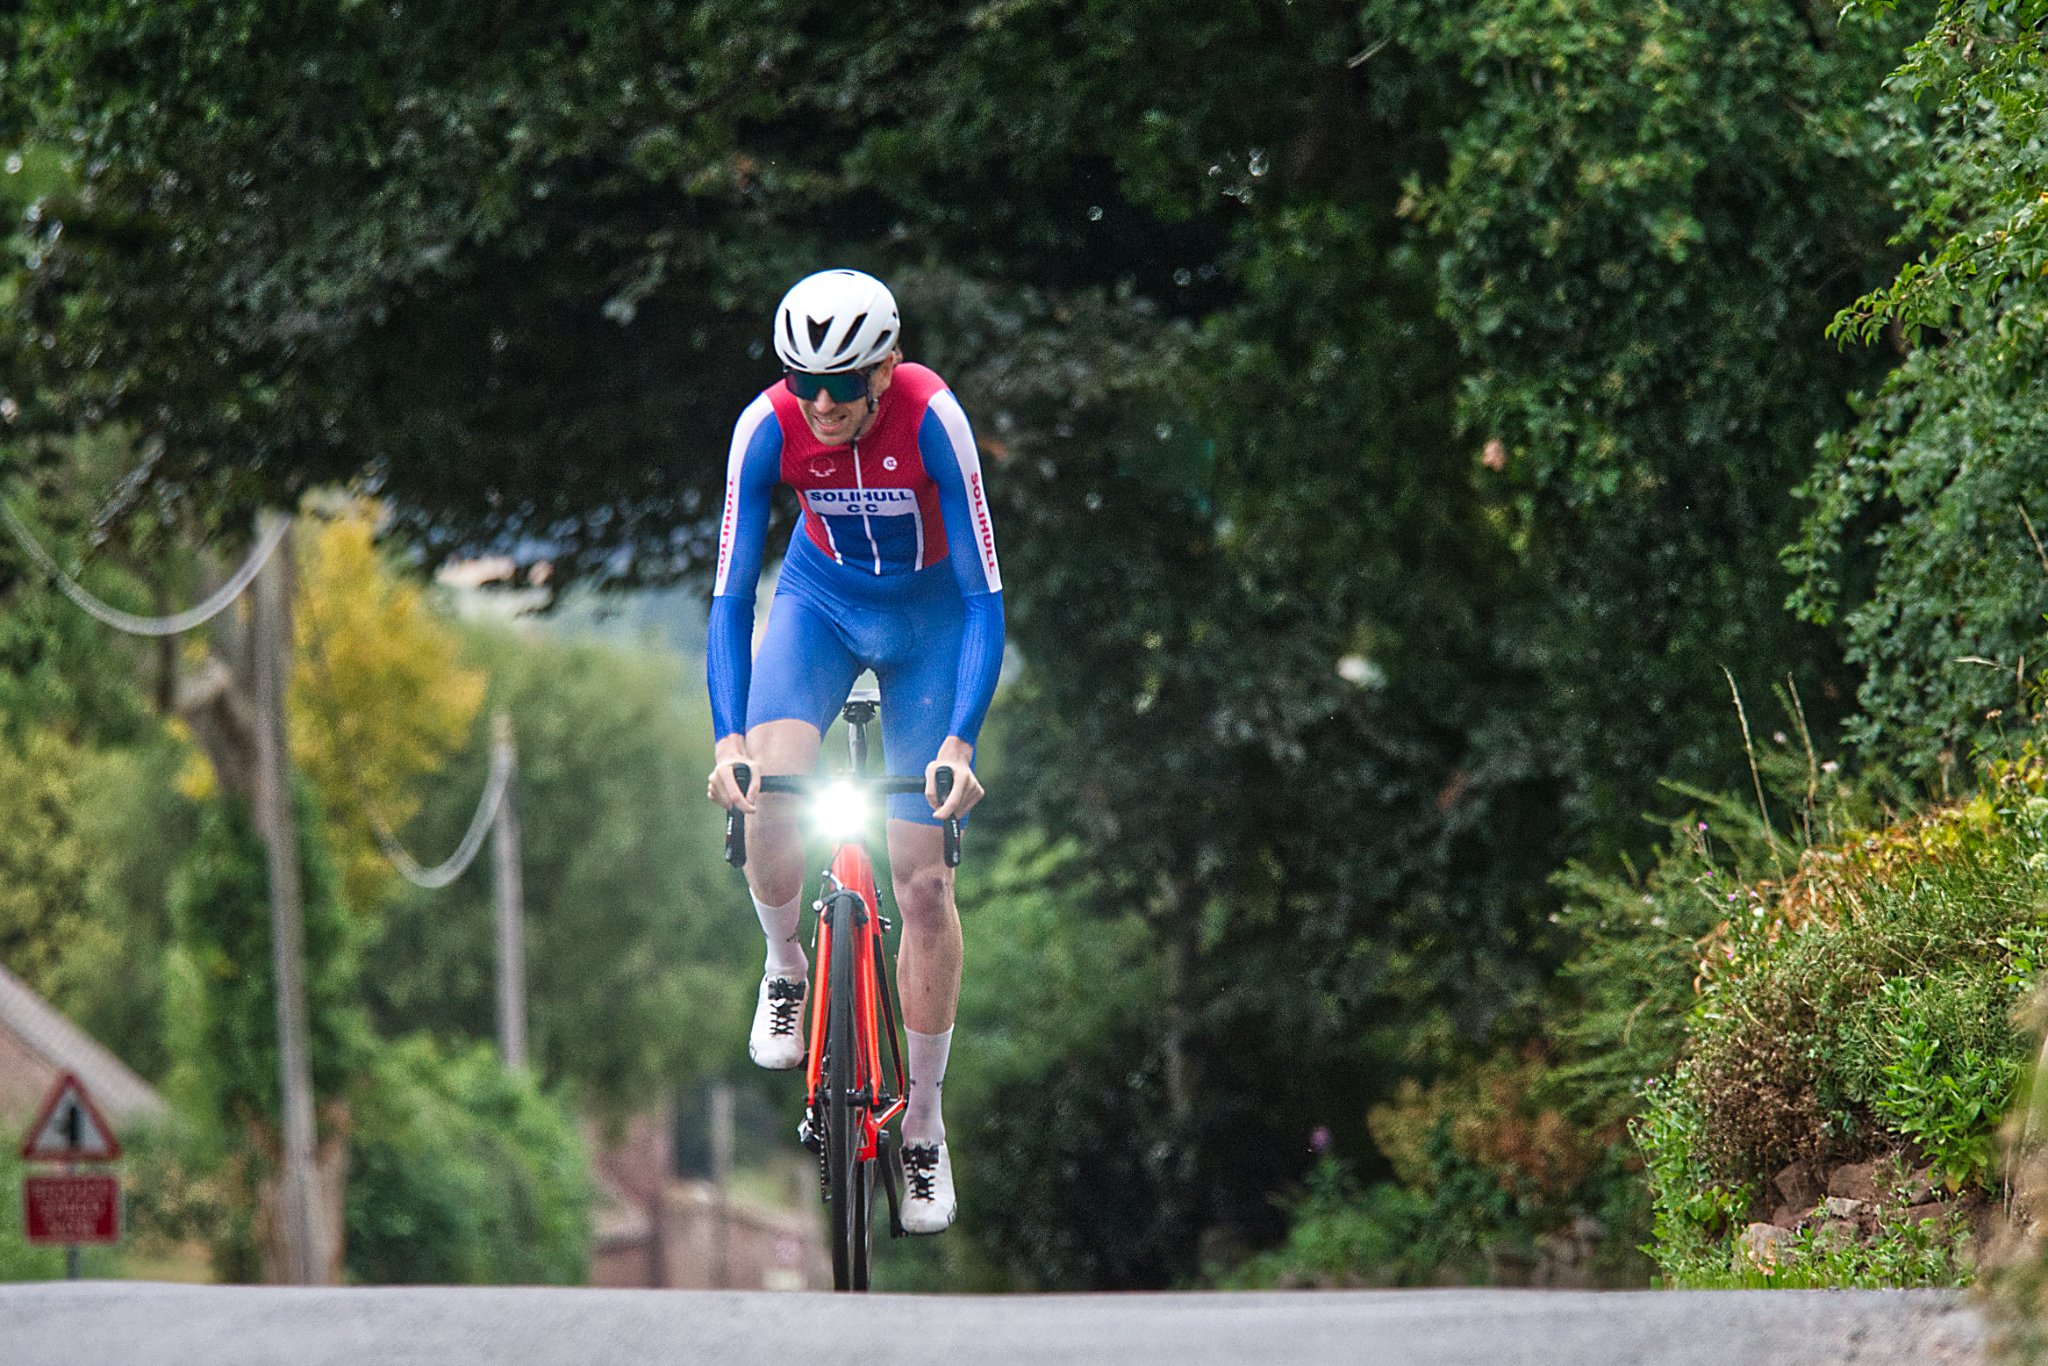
column 845, row 386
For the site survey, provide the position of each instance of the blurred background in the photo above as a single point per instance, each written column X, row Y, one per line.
column 1482, row 511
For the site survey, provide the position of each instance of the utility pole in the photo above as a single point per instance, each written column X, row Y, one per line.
column 721, row 1181
column 511, row 903
column 299, row 1211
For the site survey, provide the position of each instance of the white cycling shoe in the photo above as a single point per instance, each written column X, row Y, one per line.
column 776, row 1041
column 928, row 1203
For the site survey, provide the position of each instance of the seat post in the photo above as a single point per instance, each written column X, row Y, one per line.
column 859, row 710
column 857, row 742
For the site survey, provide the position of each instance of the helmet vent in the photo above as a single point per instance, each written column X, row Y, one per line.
column 852, row 337
column 818, row 331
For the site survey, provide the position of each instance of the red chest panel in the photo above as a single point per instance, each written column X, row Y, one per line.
column 869, row 505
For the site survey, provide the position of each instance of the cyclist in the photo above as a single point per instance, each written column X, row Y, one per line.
column 892, row 568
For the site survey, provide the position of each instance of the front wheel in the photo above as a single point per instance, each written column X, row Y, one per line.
column 848, row 1180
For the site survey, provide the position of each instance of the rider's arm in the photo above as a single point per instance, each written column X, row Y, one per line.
column 752, row 469
column 947, row 444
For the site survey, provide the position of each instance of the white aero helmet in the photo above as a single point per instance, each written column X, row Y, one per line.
column 835, row 320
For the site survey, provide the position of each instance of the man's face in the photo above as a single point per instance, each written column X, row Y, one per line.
column 837, row 424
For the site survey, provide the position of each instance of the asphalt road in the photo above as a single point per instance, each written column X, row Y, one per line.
column 157, row 1325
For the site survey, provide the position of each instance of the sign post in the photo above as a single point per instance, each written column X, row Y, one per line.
column 77, row 1207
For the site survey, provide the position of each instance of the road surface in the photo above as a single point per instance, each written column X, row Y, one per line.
column 141, row 1324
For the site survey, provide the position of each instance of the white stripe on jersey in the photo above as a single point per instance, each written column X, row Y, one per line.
column 759, row 411
column 961, row 437
column 867, row 523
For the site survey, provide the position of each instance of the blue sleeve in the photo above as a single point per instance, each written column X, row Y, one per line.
column 753, row 467
column 947, row 444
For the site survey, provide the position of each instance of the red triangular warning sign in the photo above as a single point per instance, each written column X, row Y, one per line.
column 69, row 1128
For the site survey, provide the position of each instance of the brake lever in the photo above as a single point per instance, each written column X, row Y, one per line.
column 736, row 820
column 942, row 780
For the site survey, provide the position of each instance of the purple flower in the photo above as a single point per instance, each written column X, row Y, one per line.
column 1319, row 1140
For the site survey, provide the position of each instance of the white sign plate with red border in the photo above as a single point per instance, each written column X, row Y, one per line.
column 69, row 1128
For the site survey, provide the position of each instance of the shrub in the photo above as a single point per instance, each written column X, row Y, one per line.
column 1862, row 1006
column 1946, row 1068
column 1692, row 1211
column 462, row 1173
column 1341, row 1236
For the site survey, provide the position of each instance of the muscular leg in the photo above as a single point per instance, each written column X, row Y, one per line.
column 928, row 980
column 775, row 846
column 775, row 866
column 929, row 956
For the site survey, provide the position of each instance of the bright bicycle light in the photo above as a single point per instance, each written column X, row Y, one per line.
column 840, row 811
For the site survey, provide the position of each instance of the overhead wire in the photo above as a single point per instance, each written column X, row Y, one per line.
column 495, row 784
column 388, row 843
column 259, row 555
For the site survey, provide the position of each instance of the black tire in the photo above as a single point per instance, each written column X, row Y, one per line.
column 848, row 1181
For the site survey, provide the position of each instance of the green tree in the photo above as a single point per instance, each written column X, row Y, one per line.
column 640, row 949
column 1923, row 538
column 222, row 1009
column 463, row 1173
column 43, row 861
column 1647, row 218
column 137, row 830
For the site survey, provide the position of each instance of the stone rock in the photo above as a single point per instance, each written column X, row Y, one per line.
column 1796, row 1185
column 1757, row 1248
column 1857, row 1181
column 1789, row 1216
column 1835, row 1233
column 1841, row 1207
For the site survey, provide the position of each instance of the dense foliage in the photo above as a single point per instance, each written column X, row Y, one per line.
column 221, row 1010
column 462, row 1173
column 1941, row 472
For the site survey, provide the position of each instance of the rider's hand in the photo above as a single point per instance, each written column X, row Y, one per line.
column 722, row 787
column 957, row 755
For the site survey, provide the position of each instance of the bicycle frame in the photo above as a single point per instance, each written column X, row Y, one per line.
column 852, row 871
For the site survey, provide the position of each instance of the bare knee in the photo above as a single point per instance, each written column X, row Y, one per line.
column 775, row 848
column 925, row 896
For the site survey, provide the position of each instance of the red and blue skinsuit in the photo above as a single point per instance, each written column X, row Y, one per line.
column 893, row 568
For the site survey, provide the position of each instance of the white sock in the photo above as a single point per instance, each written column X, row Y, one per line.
column 785, row 952
column 926, row 1064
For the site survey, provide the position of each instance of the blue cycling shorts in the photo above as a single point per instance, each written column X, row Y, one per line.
column 827, row 623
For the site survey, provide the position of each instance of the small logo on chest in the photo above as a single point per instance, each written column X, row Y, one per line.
column 823, row 469
column 888, row 462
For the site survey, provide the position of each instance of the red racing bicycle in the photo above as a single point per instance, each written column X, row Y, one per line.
column 850, row 1097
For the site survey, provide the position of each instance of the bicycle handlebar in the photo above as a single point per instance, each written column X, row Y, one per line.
column 800, row 783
